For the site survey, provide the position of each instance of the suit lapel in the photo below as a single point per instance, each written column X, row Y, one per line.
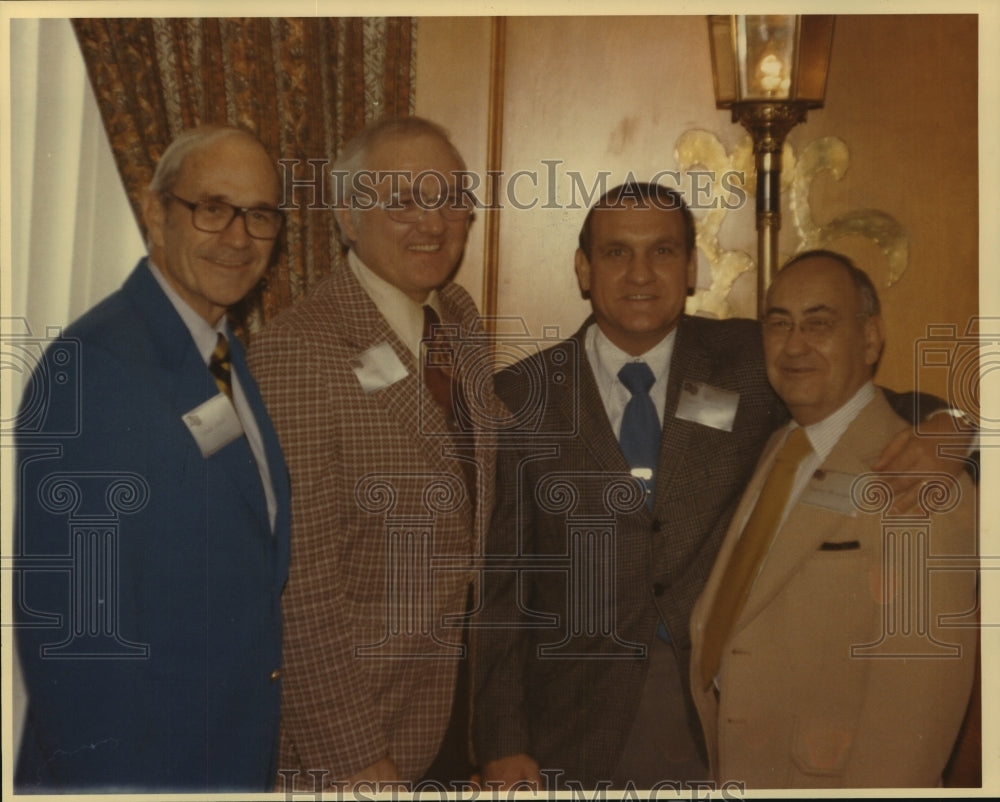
column 183, row 379
column 272, row 449
column 407, row 402
column 272, row 454
column 690, row 362
column 180, row 381
column 707, row 600
column 807, row 526
column 595, row 428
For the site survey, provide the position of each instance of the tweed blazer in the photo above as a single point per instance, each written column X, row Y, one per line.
column 814, row 690
column 168, row 682
column 384, row 532
column 550, row 680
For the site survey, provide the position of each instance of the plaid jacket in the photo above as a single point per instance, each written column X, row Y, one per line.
column 384, row 534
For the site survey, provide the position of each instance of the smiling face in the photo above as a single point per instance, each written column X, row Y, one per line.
column 637, row 274
column 211, row 272
column 819, row 346
column 415, row 257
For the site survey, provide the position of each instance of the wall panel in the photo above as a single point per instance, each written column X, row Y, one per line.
column 592, row 96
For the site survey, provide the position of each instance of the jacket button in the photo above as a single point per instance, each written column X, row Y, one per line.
column 656, row 525
column 275, row 675
column 659, row 588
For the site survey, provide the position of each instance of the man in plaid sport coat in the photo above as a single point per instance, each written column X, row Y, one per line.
column 390, row 491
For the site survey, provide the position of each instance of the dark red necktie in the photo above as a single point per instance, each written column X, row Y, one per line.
column 438, row 358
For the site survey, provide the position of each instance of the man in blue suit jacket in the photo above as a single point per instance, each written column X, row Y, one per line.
column 153, row 508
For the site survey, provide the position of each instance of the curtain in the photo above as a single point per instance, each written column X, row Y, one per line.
column 304, row 86
column 73, row 236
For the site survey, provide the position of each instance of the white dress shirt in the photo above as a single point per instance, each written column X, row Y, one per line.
column 404, row 315
column 823, row 436
column 606, row 359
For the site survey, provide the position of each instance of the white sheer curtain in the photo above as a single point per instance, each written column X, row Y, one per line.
column 73, row 235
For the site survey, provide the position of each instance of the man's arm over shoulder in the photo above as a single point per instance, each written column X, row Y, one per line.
column 917, row 703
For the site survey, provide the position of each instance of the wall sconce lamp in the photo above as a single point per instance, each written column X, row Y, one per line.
column 769, row 69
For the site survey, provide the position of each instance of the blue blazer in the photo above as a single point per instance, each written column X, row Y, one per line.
column 147, row 577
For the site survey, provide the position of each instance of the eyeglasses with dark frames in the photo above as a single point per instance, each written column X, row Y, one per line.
column 815, row 328
column 213, row 216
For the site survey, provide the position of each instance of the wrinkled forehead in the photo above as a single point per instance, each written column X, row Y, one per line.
column 813, row 284
column 236, row 168
column 414, row 158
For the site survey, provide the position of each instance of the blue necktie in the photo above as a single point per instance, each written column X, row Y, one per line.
column 640, row 432
column 640, row 435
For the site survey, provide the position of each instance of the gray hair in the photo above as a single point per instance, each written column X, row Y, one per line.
column 354, row 156
column 186, row 143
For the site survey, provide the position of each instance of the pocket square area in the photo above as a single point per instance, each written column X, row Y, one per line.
column 841, row 545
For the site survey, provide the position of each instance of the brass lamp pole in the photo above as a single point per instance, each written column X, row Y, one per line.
column 770, row 69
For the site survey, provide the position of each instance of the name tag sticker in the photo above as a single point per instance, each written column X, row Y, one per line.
column 831, row 490
column 378, row 367
column 710, row 406
column 213, row 424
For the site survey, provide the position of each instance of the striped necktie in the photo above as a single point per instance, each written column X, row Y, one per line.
column 221, row 367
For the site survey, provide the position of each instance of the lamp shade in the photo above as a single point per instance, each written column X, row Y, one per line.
column 770, row 58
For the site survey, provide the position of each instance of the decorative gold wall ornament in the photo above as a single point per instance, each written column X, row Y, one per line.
column 702, row 149
column 831, row 154
column 699, row 150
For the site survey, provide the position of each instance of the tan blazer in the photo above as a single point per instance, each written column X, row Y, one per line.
column 384, row 536
column 796, row 709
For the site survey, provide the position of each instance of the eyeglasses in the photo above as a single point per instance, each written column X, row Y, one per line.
column 408, row 209
column 814, row 329
column 213, row 216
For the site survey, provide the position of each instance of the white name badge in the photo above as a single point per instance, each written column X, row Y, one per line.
column 831, row 490
column 213, row 424
column 707, row 405
column 378, row 367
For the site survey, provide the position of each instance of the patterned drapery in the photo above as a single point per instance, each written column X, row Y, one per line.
column 304, row 86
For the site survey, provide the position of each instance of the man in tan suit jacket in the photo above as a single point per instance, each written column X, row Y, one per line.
column 848, row 663
column 391, row 488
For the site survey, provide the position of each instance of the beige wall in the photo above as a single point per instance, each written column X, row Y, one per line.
column 619, row 94
column 453, row 78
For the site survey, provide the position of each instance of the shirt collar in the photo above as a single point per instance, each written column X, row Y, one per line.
column 205, row 336
column 823, row 436
column 401, row 312
column 611, row 358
